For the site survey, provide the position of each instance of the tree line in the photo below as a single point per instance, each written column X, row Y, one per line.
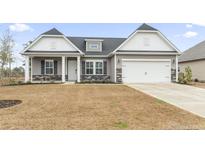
column 7, row 44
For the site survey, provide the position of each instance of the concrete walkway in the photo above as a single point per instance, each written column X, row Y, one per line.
column 186, row 97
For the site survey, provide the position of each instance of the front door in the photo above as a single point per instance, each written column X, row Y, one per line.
column 72, row 70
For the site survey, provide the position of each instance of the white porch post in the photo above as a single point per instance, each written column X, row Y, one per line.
column 176, row 61
column 78, row 69
column 31, row 69
column 115, row 68
column 26, row 68
column 63, row 68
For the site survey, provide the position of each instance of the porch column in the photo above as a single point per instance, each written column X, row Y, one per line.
column 63, row 68
column 115, row 67
column 78, row 69
column 176, row 61
column 31, row 69
column 26, row 68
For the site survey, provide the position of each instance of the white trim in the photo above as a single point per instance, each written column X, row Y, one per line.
column 176, row 63
column 146, row 53
column 138, row 31
column 169, row 60
column 48, row 60
column 94, row 40
column 98, row 56
column 26, row 68
column 31, row 69
column 34, row 52
column 30, row 45
column 63, row 69
column 94, row 67
column 59, row 36
column 73, row 44
column 78, row 69
column 115, row 67
column 99, row 68
column 87, row 61
column 94, row 60
column 169, row 42
column 88, row 49
column 52, row 55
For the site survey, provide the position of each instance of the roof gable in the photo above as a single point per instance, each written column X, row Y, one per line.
column 144, row 41
column 46, row 43
column 53, row 33
column 148, row 29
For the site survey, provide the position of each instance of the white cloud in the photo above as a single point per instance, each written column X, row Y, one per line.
column 190, row 34
column 199, row 24
column 20, row 27
column 189, row 25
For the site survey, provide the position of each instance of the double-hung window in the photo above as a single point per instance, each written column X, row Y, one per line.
column 94, row 67
column 49, row 67
column 98, row 68
column 89, row 67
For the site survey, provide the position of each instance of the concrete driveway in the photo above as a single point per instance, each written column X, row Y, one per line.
column 186, row 97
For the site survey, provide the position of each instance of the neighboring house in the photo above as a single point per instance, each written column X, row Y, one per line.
column 145, row 56
column 195, row 58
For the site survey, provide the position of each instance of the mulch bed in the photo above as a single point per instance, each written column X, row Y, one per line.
column 9, row 103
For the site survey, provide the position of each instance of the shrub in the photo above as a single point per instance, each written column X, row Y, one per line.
column 188, row 75
column 12, row 81
column 185, row 78
column 181, row 77
column 28, row 82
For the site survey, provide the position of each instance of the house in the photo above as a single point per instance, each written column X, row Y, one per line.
column 145, row 56
column 195, row 59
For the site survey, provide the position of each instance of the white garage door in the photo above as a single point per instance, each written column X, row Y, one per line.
column 146, row 71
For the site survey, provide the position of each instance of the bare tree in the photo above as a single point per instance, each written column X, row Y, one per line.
column 6, row 48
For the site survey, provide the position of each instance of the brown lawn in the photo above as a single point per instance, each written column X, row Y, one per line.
column 56, row 106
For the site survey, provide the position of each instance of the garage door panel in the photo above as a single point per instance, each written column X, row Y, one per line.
column 146, row 71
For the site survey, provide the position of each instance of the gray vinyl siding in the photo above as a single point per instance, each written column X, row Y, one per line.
column 112, row 68
column 197, row 67
column 36, row 63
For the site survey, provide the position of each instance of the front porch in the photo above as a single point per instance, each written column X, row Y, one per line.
column 40, row 69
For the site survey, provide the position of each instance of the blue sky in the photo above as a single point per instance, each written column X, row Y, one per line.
column 183, row 35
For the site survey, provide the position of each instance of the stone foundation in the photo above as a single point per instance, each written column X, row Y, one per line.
column 119, row 75
column 95, row 78
column 47, row 78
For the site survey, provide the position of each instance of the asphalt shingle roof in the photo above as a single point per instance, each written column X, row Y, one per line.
column 146, row 27
column 53, row 31
column 197, row 52
column 108, row 44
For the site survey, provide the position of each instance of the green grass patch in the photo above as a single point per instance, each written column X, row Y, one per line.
column 160, row 101
column 121, row 125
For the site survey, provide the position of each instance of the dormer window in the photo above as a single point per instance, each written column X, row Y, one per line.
column 93, row 45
